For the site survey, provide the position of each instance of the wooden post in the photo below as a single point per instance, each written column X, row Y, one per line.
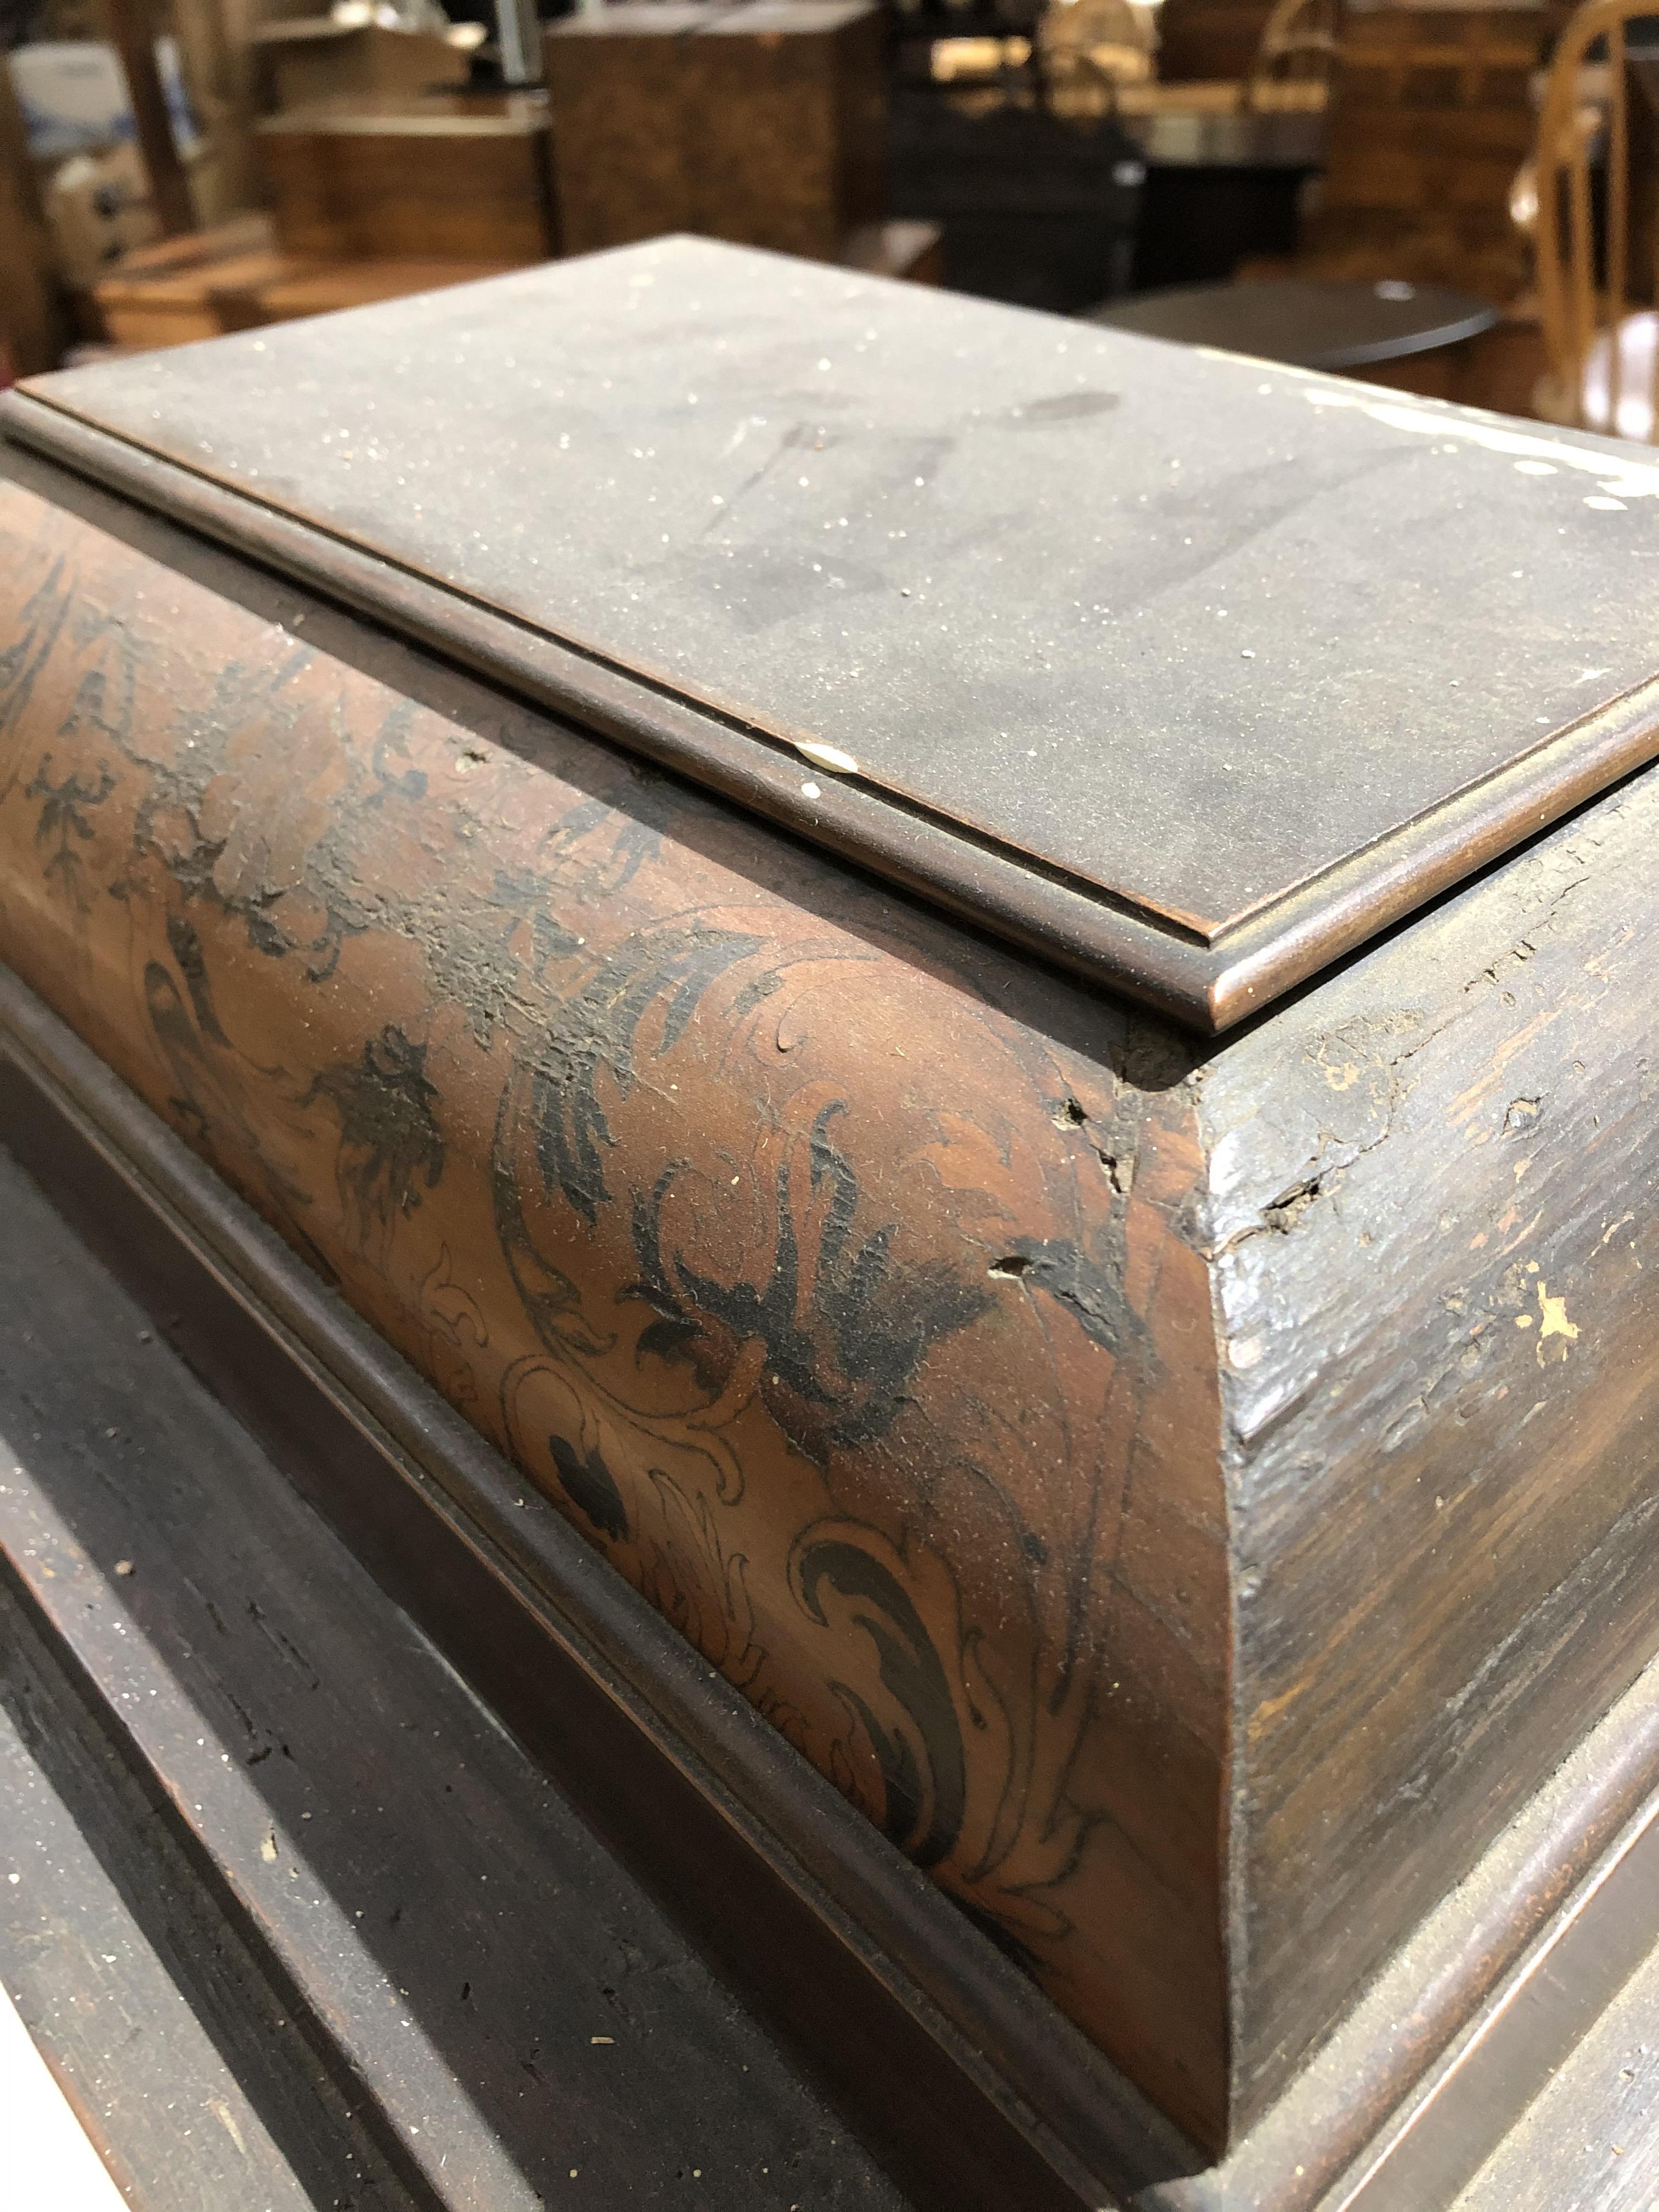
column 131, row 26
column 31, row 315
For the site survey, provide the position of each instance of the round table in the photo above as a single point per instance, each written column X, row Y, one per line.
column 1307, row 324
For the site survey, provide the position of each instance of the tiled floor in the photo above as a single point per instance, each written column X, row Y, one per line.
column 49, row 2166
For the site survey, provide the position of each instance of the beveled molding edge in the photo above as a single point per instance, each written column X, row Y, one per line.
column 1210, row 986
column 1418, row 2084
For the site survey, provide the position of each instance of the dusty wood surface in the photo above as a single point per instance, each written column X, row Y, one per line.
column 1591, row 2141
column 146, row 2005
column 761, row 123
column 410, row 1906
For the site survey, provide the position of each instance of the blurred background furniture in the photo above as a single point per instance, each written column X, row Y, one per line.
column 236, row 277
column 313, row 58
column 1224, row 186
column 1386, row 331
column 1036, row 207
column 32, row 321
column 761, row 123
column 1228, row 160
column 459, row 177
column 1404, row 182
column 1292, row 65
column 1594, row 188
column 1431, row 115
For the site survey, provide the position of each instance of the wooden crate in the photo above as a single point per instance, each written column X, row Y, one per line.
column 312, row 58
column 163, row 294
column 616, row 94
column 762, row 124
column 786, row 137
column 168, row 311
column 453, row 181
column 236, row 277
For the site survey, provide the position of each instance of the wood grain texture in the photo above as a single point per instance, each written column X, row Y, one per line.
column 617, row 99
column 326, row 287
column 173, row 2052
column 836, row 1276
column 762, row 124
column 1432, row 1185
column 388, row 190
column 790, row 124
column 1590, row 2143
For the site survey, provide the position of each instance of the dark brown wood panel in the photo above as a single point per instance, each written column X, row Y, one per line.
column 457, row 188
column 184, row 2064
column 616, row 93
column 1434, row 1249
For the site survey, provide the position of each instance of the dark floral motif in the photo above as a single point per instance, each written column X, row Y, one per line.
column 589, row 1484
column 389, row 1140
column 64, row 809
column 907, row 1713
column 209, row 1098
column 845, row 1325
column 597, row 1031
column 34, row 627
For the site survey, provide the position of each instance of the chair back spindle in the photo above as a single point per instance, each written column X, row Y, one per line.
column 1598, row 286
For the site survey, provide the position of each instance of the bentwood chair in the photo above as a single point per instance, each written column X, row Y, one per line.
column 1595, row 185
column 1294, row 57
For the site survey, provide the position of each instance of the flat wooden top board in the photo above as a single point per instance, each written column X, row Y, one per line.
column 1249, row 658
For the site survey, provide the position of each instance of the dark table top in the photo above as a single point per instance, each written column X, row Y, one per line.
column 1306, row 324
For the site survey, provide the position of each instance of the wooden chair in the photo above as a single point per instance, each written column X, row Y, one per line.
column 1290, row 72
column 1294, row 60
column 1598, row 278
